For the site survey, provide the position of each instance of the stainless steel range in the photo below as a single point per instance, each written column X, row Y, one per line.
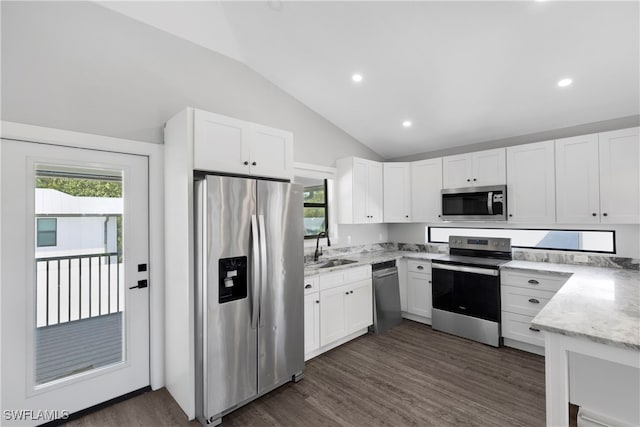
column 466, row 288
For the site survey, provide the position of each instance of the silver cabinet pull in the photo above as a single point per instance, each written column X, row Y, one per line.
column 534, row 282
column 534, row 301
column 531, row 328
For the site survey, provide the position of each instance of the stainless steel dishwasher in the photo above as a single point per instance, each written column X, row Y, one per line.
column 386, row 296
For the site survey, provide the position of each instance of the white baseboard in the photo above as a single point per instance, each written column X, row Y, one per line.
column 319, row 351
column 523, row 346
column 416, row 318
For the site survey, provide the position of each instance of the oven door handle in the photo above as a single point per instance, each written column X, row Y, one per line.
column 465, row 269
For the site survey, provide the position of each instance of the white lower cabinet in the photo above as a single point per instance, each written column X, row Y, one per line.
column 523, row 295
column 418, row 299
column 311, row 322
column 341, row 310
column 419, row 294
column 333, row 314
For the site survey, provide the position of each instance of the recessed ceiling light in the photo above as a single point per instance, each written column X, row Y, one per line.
column 357, row 78
column 565, row 82
column 407, row 123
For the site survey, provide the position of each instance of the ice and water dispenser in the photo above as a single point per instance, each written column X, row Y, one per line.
column 232, row 280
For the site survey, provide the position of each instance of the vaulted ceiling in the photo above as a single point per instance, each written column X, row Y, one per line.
column 460, row 72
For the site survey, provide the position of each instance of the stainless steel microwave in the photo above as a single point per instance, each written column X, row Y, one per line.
column 475, row 203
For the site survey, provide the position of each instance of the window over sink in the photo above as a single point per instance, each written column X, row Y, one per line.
column 316, row 207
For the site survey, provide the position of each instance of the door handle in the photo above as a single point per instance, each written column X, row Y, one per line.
column 255, row 244
column 534, row 301
column 489, row 202
column 141, row 284
column 263, row 265
column 308, row 286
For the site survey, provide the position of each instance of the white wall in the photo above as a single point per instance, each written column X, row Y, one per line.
column 627, row 236
column 82, row 67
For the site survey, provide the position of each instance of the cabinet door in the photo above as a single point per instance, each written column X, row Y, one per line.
column 456, row 171
column 360, row 192
column 426, row 184
column 359, row 305
column 375, row 199
column 419, row 294
column 577, row 181
column 489, row 167
column 333, row 310
column 220, row 143
column 620, row 176
column 531, row 192
column 271, row 152
column 397, row 192
column 311, row 322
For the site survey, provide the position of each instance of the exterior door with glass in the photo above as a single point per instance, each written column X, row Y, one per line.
column 73, row 279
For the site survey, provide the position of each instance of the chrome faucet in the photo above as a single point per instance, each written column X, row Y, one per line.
column 318, row 251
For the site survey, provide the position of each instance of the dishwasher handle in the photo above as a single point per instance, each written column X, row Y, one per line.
column 379, row 274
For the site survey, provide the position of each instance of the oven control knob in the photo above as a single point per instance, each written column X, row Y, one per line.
column 495, row 243
column 504, row 244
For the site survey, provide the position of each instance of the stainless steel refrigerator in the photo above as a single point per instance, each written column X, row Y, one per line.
column 249, row 297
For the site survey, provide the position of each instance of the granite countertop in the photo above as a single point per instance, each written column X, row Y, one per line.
column 599, row 304
column 368, row 258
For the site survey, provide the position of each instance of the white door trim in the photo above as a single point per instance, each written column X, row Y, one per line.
column 155, row 152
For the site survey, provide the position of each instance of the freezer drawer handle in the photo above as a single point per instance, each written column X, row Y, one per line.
column 534, row 301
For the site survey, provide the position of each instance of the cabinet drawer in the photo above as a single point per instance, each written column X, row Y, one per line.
column 311, row 284
column 524, row 300
column 342, row 277
column 543, row 282
column 419, row 266
column 517, row 327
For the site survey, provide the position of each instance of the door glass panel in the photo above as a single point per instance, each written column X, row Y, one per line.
column 79, row 271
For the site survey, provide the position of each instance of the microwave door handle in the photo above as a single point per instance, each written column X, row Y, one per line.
column 490, row 202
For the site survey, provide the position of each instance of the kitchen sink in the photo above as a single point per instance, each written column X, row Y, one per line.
column 335, row 263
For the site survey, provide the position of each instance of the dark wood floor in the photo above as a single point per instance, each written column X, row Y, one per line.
column 411, row 375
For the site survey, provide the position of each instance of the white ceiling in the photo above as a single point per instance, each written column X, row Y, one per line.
column 462, row 72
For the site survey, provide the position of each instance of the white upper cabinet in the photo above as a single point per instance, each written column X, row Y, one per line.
column 397, row 192
column 426, row 184
column 577, row 181
column 619, row 153
column 225, row 144
column 457, row 171
column 474, row 169
column 359, row 188
column 271, row 152
column 531, row 197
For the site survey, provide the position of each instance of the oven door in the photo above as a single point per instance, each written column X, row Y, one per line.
column 467, row 290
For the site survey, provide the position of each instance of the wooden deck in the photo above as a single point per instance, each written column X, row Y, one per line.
column 81, row 345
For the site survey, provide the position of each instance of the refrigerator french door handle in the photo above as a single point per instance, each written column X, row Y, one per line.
column 263, row 263
column 255, row 300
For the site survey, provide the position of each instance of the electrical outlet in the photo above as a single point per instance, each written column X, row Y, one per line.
column 581, row 258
